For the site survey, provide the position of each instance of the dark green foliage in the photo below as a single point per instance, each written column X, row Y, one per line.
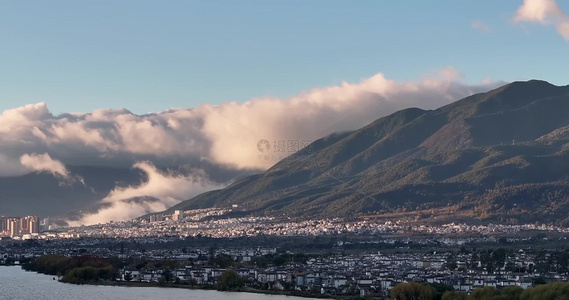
column 491, row 259
column 167, row 275
column 229, row 280
column 412, row 291
column 280, row 259
column 511, row 292
column 89, row 274
column 485, row 293
column 76, row 269
column 453, row 295
column 223, row 261
column 556, row 261
column 57, row 264
column 440, row 290
column 552, row 291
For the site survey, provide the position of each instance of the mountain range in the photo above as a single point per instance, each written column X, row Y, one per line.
column 500, row 156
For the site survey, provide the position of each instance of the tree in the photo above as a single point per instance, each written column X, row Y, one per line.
column 499, row 257
column 563, row 261
column 229, row 280
column 485, row 293
column 474, row 260
column 541, row 263
column 454, row 295
column 511, row 267
column 223, row 261
column 552, row 291
column 412, row 291
column 193, row 282
column 167, row 275
column 490, row 293
column 511, row 292
column 451, row 264
column 440, row 289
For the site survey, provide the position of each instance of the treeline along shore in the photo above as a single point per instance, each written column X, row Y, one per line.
column 94, row 270
column 75, row 269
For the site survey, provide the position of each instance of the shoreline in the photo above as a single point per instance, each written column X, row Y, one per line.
column 188, row 287
column 205, row 288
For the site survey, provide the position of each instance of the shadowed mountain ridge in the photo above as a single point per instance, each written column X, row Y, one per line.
column 472, row 157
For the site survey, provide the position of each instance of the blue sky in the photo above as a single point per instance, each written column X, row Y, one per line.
column 148, row 56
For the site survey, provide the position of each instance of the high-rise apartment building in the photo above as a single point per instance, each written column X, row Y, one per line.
column 3, row 224
column 33, row 224
column 13, row 226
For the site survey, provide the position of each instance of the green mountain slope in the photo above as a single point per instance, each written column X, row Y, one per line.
column 491, row 156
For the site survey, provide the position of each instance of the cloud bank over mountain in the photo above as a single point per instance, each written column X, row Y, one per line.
column 212, row 139
column 44, row 163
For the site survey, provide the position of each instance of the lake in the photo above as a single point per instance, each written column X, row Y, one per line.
column 16, row 283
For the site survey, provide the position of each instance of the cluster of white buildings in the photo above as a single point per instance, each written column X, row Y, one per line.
column 364, row 274
column 216, row 223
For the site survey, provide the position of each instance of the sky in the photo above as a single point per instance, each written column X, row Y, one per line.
column 148, row 56
column 188, row 91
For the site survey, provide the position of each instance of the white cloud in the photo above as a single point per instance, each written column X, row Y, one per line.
column 168, row 188
column 546, row 12
column 226, row 134
column 214, row 139
column 235, row 129
column 44, row 163
column 480, row 25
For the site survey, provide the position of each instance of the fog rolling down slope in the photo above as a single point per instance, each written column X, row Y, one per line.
column 498, row 156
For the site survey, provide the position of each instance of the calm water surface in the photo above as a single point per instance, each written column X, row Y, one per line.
column 16, row 283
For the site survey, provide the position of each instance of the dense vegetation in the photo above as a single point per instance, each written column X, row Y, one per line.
column 229, row 280
column 417, row 291
column 76, row 269
column 492, row 157
column 412, row 290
